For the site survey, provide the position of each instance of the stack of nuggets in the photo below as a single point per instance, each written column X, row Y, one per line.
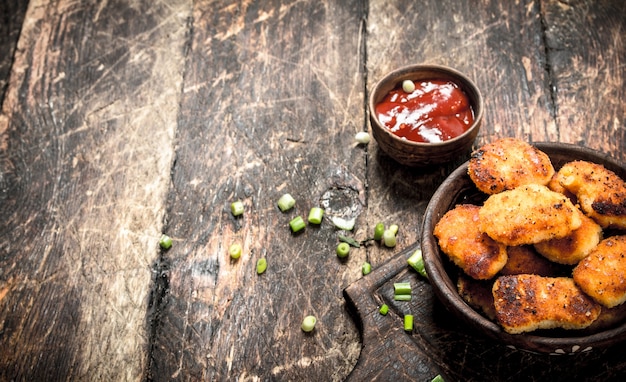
column 534, row 256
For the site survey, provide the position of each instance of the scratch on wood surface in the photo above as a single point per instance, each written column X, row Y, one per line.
column 285, row 8
column 6, row 287
column 527, row 68
column 305, row 362
column 229, row 359
column 4, row 124
column 101, row 6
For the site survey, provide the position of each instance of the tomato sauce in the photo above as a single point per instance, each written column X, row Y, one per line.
column 437, row 110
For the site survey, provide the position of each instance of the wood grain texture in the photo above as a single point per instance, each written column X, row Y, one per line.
column 272, row 99
column 586, row 54
column 497, row 44
column 86, row 151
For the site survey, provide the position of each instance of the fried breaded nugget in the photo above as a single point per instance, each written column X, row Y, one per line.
column 525, row 303
column 527, row 215
column 525, row 260
column 477, row 294
column 508, row 163
column 602, row 274
column 573, row 247
column 600, row 192
column 473, row 251
column 556, row 186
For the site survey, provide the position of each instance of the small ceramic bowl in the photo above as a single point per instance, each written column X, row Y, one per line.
column 412, row 153
column 457, row 188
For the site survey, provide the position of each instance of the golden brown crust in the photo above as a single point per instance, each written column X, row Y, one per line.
column 508, row 163
column 602, row 274
column 524, row 303
column 556, row 186
column 573, row 247
column 527, row 215
column 548, row 222
column 525, row 260
column 474, row 252
column 600, row 192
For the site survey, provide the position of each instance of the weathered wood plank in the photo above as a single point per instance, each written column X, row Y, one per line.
column 86, row 148
column 273, row 96
column 586, row 43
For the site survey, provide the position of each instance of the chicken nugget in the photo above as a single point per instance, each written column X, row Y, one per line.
column 527, row 215
column 524, row 259
column 602, row 274
column 556, row 186
column 473, row 251
column 508, row 163
column 599, row 191
column 524, row 303
column 573, row 247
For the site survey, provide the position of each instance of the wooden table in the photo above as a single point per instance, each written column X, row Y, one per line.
column 125, row 119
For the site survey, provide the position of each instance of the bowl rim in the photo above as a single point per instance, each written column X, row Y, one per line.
column 448, row 295
column 405, row 71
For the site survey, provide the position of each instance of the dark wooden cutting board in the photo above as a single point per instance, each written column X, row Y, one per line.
column 439, row 344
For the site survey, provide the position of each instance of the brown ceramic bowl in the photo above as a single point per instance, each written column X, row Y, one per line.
column 458, row 188
column 416, row 153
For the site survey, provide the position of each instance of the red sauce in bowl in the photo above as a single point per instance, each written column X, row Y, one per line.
column 437, row 110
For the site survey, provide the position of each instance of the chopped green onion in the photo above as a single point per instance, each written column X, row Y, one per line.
column 344, row 224
column 378, row 231
column 366, row 268
column 417, row 262
column 408, row 322
column 402, row 291
column 343, row 249
column 402, row 297
column 438, row 378
column 402, row 288
column 394, row 228
column 308, row 324
column 286, row 202
column 362, row 137
column 350, row 241
column 315, row 215
column 165, row 242
column 236, row 208
column 408, row 86
column 297, row 224
column 389, row 238
column 234, row 251
column 261, row 265
column 384, row 309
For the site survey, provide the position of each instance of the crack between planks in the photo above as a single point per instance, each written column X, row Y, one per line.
column 161, row 268
column 550, row 81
